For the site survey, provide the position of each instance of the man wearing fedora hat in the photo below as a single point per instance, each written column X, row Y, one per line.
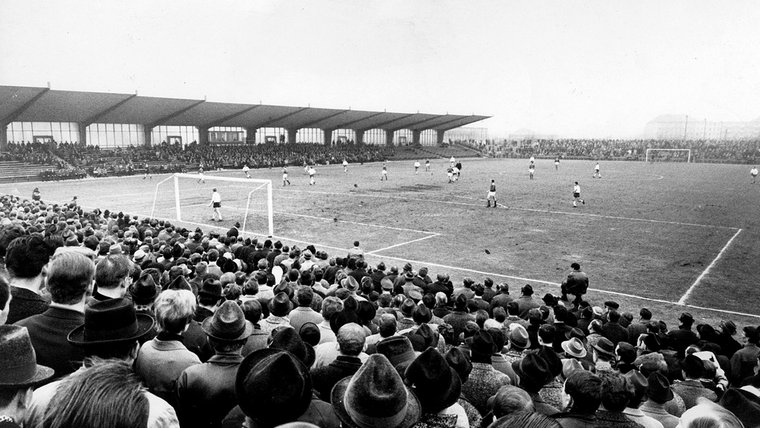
column 69, row 279
column 206, row 392
column 658, row 393
column 375, row 396
column 20, row 374
column 437, row 387
column 484, row 380
column 273, row 388
column 209, row 299
column 111, row 331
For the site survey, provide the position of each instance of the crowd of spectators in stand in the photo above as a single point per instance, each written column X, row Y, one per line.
column 76, row 159
column 732, row 151
column 117, row 321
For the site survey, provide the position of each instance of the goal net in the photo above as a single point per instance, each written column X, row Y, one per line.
column 187, row 198
column 668, row 155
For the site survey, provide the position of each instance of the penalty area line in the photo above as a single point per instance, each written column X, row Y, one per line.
column 403, row 243
column 682, row 300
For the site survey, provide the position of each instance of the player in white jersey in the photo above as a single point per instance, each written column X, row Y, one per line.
column 285, row 176
column 577, row 195
column 345, row 166
column 246, row 171
column 532, row 159
column 455, row 173
column 556, row 163
column 597, row 174
column 416, row 167
column 312, row 172
column 427, row 165
column 452, row 161
column 450, row 173
column 531, row 169
column 384, row 173
column 201, row 177
column 216, row 203
column 753, row 173
column 491, row 195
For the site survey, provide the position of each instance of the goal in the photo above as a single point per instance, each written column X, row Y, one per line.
column 668, row 155
column 185, row 198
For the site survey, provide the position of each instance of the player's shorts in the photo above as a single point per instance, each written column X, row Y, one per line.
column 531, row 170
column 284, row 176
column 576, row 195
column 217, row 204
column 753, row 174
column 491, row 194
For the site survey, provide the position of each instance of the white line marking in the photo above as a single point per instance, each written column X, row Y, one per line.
column 686, row 295
column 403, row 243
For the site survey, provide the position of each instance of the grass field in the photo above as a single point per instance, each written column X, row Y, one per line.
column 668, row 236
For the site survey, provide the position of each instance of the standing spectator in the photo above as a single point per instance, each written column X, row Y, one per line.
column 24, row 260
column 69, row 280
column 209, row 299
column 161, row 360
column 533, row 373
column 659, row 393
column 639, row 387
column 438, row 388
column 279, row 308
column 304, row 313
column 19, row 376
column 616, row 392
column 351, row 339
column 692, row 369
column 585, row 391
column 744, row 360
column 576, row 284
column 113, row 276
column 206, row 392
column 459, row 318
column 636, row 329
column 526, row 301
column 484, row 380
column 681, row 338
column 375, row 396
column 612, row 329
column 502, row 298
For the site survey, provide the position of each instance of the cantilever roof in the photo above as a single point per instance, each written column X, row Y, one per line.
column 27, row 104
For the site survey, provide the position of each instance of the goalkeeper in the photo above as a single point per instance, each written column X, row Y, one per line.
column 576, row 284
column 216, row 203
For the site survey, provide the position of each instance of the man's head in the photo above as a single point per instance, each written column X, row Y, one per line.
column 26, row 256
column 69, row 277
column 585, row 389
column 351, row 338
column 616, row 391
column 174, row 310
column 113, row 272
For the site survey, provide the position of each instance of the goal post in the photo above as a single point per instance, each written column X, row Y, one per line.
column 671, row 155
column 186, row 197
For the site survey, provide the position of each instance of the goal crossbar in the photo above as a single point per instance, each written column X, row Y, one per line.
column 688, row 153
column 258, row 184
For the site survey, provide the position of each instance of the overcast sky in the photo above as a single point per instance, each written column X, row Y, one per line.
column 576, row 68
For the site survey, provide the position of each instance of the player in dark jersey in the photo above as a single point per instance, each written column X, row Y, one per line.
column 491, row 195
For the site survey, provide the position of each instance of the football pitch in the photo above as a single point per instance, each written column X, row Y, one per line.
column 672, row 237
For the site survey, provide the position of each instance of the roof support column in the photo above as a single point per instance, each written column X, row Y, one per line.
column 359, row 136
column 202, row 135
column 250, row 135
column 416, row 137
column 4, row 136
column 439, row 137
column 292, row 135
column 328, row 136
column 389, row 137
column 82, row 128
column 147, row 135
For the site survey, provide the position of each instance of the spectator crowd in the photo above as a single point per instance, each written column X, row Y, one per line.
column 109, row 320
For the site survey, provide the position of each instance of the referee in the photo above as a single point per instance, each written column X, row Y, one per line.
column 216, row 203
